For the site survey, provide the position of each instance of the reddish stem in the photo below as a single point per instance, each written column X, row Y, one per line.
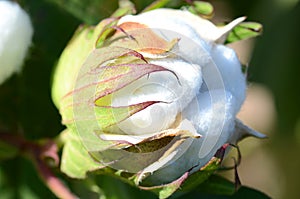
column 52, row 181
column 39, row 153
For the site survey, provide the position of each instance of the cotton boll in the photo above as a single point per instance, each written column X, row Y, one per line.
column 160, row 86
column 171, row 24
column 212, row 115
column 15, row 37
column 199, row 93
column 230, row 69
column 190, row 25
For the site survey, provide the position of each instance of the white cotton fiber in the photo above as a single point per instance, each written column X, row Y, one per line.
column 15, row 38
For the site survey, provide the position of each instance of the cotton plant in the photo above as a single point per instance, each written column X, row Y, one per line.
column 15, row 38
column 152, row 97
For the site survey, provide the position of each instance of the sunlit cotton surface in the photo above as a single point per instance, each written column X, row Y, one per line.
column 15, row 38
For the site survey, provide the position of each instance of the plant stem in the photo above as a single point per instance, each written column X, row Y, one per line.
column 39, row 153
column 52, row 181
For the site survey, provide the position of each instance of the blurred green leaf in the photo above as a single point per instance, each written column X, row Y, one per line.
column 87, row 188
column 249, row 193
column 114, row 188
column 242, row 193
column 217, row 185
column 156, row 4
column 7, row 151
column 19, row 179
column 31, row 105
column 244, row 30
column 88, row 11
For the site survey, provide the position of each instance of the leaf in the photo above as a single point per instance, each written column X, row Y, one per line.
column 156, row 4
column 88, row 11
column 19, row 179
column 114, row 188
column 166, row 190
column 249, row 193
column 244, row 30
column 7, row 151
column 76, row 162
column 202, row 175
column 216, row 185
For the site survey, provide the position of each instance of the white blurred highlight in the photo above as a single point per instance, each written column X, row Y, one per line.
column 15, row 38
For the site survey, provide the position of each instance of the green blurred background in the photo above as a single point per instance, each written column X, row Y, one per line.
column 270, row 165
